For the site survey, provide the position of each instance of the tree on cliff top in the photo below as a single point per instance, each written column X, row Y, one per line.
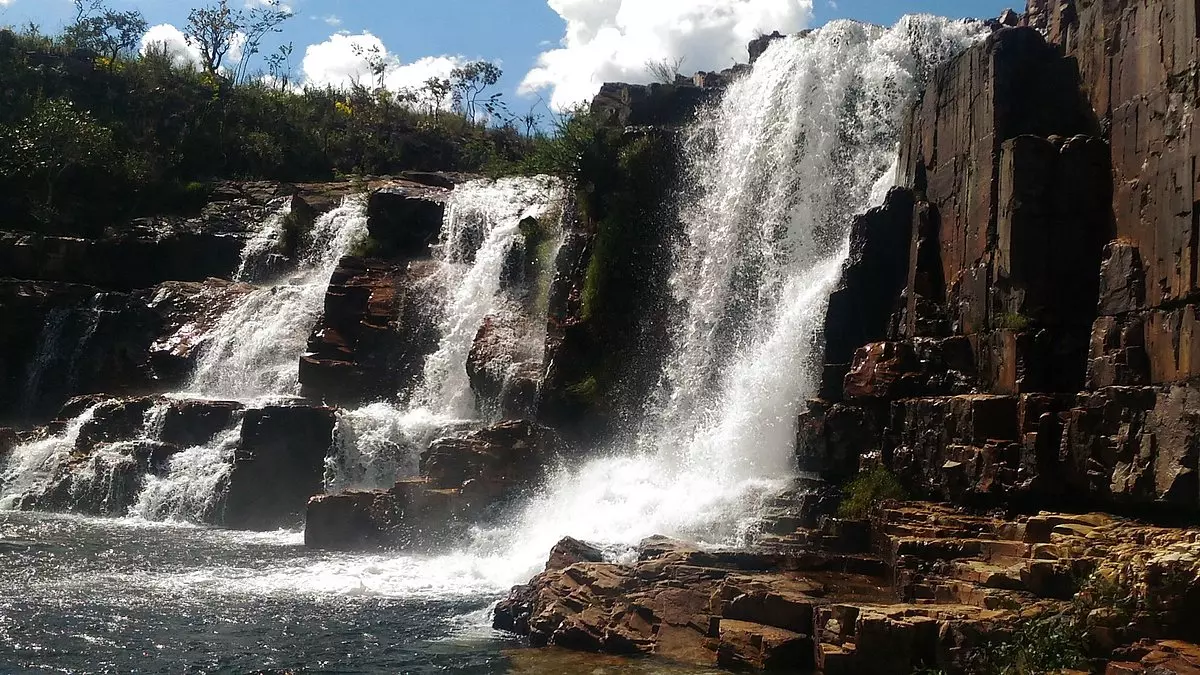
column 52, row 141
column 217, row 31
column 105, row 31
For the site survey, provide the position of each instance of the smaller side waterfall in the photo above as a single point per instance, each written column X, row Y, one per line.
column 189, row 488
column 484, row 241
column 51, row 474
column 33, row 465
column 483, row 223
column 264, row 247
column 254, row 349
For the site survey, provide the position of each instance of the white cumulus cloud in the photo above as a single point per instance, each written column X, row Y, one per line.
column 342, row 61
column 613, row 40
column 172, row 40
column 175, row 43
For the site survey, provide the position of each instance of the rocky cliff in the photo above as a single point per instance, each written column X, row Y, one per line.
column 1012, row 334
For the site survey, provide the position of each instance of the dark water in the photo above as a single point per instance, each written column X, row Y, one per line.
column 95, row 596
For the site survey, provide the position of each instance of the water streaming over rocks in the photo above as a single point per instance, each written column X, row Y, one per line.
column 773, row 173
column 250, row 356
column 380, row 443
column 253, row 349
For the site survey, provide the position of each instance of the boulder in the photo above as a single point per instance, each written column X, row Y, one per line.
column 404, row 223
column 412, row 516
column 570, row 551
column 505, row 366
column 279, row 465
column 375, row 332
column 187, row 311
column 758, row 46
column 512, row 455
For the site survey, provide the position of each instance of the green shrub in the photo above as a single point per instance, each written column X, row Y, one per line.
column 1044, row 644
column 585, row 391
column 867, row 489
column 126, row 132
column 1013, row 321
column 365, row 247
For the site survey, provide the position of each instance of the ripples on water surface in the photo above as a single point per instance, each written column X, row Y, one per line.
column 102, row 596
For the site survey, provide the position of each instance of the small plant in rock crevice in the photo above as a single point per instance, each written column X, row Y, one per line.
column 867, row 489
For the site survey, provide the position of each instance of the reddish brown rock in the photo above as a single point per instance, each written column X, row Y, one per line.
column 511, row 454
column 860, row 310
column 1122, row 279
column 832, row 437
column 464, row 479
column 570, row 551
column 375, row 332
column 1134, row 447
column 884, row 370
column 188, row 311
column 1167, row 656
column 404, row 221
column 505, row 366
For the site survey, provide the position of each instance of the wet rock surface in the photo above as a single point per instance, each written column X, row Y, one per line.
column 375, row 331
column 463, row 480
column 278, row 466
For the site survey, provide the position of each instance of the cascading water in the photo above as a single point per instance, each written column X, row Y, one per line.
column 380, row 443
column 33, row 464
column 264, row 246
column 774, row 174
column 253, row 349
column 251, row 355
column 490, row 213
column 190, row 488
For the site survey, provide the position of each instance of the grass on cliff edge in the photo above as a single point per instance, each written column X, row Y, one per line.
column 867, row 489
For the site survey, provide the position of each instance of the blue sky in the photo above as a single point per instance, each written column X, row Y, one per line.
column 589, row 40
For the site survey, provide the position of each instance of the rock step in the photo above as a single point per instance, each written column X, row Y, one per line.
column 938, row 591
column 955, row 549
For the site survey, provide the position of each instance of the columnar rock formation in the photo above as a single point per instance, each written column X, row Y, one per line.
column 1037, row 350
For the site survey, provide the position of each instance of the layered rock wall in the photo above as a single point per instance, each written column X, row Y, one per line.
column 1040, row 349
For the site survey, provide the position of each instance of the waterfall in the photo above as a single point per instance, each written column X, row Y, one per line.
column 191, row 487
column 253, row 350
column 483, row 222
column 252, row 354
column 49, row 345
column 378, row 444
column 34, row 464
column 49, row 473
column 265, row 245
column 773, row 175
